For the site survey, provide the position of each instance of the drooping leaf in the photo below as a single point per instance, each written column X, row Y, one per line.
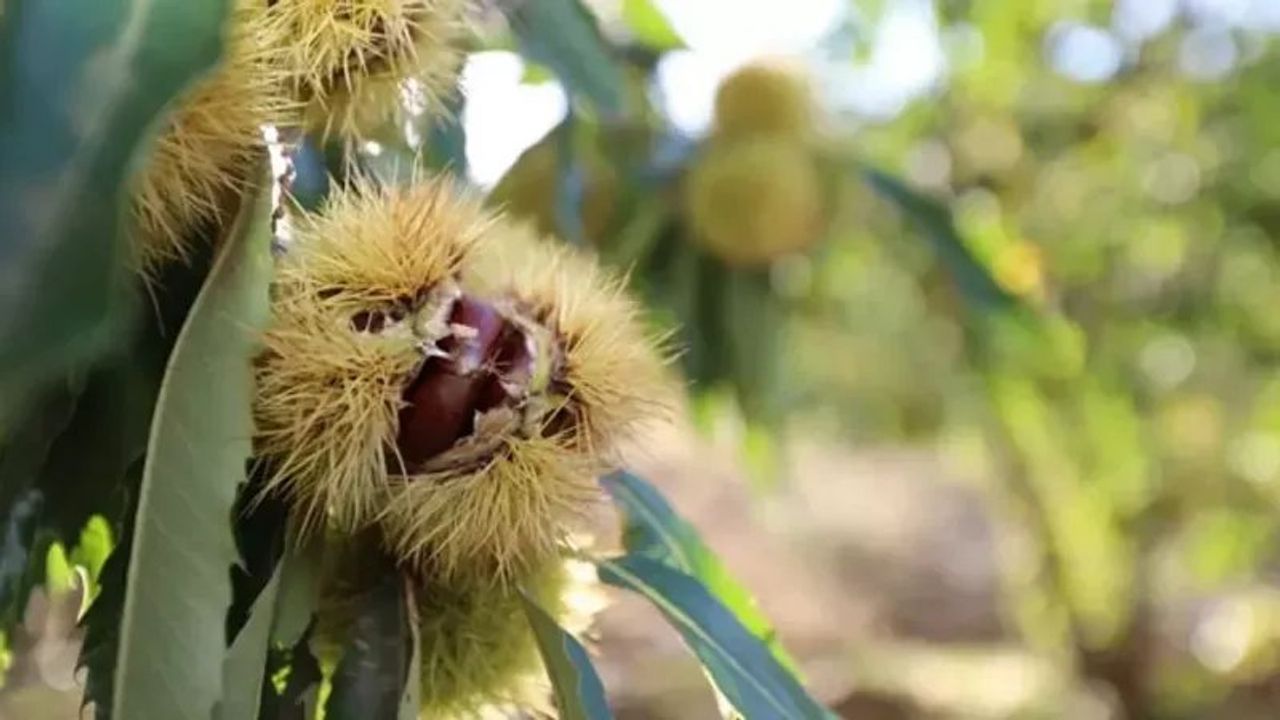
column 638, row 236
column 680, row 291
column 369, row 681
column 650, row 26
column 654, row 269
column 102, row 621
column 579, row 694
column 299, row 589
column 693, row 289
column 564, row 36
column 654, row 530
column 263, row 585
column 445, row 139
column 82, row 473
column 569, row 183
column 260, row 523
column 178, row 587
column 102, row 635
column 272, row 635
column 107, row 434
column 82, row 84
column 933, row 218
column 740, row 664
column 110, row 428
column 754, row 325
column 245, row 661
column 25, row 446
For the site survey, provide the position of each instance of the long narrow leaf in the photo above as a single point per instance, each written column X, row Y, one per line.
column 564, row 36
column 935, row 221
column 755, row 334
column 169, row 663
column 299, row 590
column 743, row 669
column 278, row 618
column 242, row 670
column 102, row 622
column 654, row 530
column 579, row 694
column 84, row 471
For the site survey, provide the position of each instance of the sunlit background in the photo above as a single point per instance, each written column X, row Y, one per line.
column 1021, row 454
column 871, row 63
column 982, row 517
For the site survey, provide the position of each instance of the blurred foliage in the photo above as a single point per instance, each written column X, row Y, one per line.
column 1071, row 290
column 1064, row 278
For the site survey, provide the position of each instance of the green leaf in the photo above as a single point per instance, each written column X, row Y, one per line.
column 242, row 668
column 178, row 588
column 67, row 459
column 369, row 681
column 741, row 666
column 299, row 589
column 94, row 546
column 26, row 445
column 650, row 26
column 82, row 85
column 630, row 246
column 754, row 330
column 579, row 693
column 59, row 576
column 564, row 36
column 284, row 648
column 108, row 433
column 102, row 635
column 569, row 183
column 102, row 621
column 279, row 614
column 694, row 290
column 445, row 139
column 654, row 530
column 112, row 422
column 83, row 473
column 934, row 219
column 258, row 526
